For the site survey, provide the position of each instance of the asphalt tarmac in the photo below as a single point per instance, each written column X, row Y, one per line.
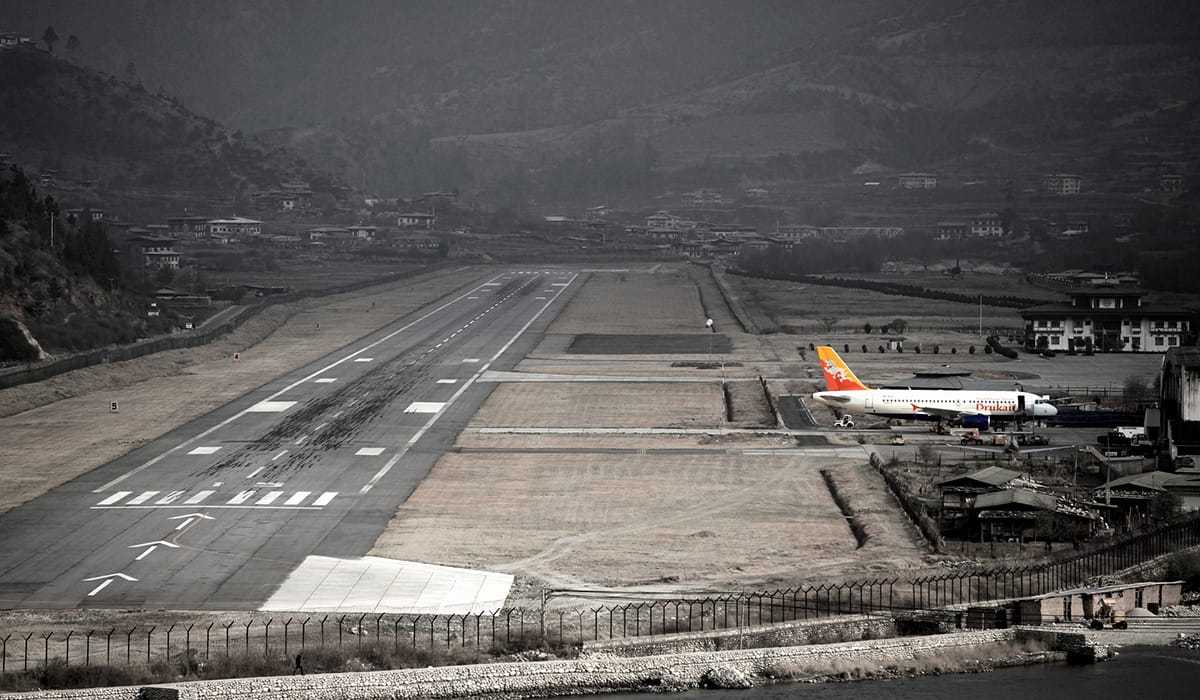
column 219, row 513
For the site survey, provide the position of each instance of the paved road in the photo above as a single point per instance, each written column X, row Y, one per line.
column 216, row 514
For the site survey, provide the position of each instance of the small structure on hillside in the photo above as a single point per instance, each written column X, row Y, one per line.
column 960, row 491
column 1025, row 515
column 1107, row 603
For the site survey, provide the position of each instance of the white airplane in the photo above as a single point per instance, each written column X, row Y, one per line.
column 973, row 409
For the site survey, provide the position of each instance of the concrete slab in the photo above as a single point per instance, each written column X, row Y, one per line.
column 376, row 584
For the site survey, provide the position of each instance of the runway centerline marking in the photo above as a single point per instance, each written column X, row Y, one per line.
column 461, row 390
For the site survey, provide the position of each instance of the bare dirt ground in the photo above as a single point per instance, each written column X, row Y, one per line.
column 602, row 405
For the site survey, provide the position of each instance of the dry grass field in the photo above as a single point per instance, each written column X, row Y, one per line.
column 603, row 405
column 625, row 519
column 658, row 299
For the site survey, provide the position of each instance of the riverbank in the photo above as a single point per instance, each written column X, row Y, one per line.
column 959, row 652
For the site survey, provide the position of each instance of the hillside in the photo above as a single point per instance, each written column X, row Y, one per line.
column 50, row 297
column 106, row 136
column 569, row 99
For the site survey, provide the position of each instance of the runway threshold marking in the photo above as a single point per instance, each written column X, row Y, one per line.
column 387, row 467
column 351, row 357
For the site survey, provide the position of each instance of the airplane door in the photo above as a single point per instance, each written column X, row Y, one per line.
column 869, row 401
column 1020, row 404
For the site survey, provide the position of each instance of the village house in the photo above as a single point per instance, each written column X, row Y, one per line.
column 951, row 230
column 1133, row 496
column 1170, row 183
column 796, row 232
column 596, row 213
column 154, row 252
column 81, row 214
column 1061, row 184
column 663, row 221
column 234, row 228
column 194, row 227
column 917, row 181
column 1105, row 318
column 987, row 225
column 9, row 40
column 700, row 198
column 960, row 491
column 1024, row 515
column 416, row 220
column 1109, row 603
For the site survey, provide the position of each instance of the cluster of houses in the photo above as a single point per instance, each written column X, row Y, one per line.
column 1060, row 184
column 995, row 504
column 999, row 504
column 155, row 246
column 9, row 40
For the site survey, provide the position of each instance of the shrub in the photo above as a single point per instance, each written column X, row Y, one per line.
column 864, row 347
column 13, row 345
column 971, row 350
column 1185, row 566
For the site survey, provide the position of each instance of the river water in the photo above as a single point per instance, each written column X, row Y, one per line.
column 1160, row 673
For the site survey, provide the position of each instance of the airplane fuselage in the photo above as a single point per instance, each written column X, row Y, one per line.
column 936, row 404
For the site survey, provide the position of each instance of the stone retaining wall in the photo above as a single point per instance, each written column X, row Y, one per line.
column 843, row 629
column 676, row 671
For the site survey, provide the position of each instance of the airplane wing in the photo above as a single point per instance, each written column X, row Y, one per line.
column 944, row 413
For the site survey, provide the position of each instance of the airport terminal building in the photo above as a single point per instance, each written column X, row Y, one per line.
column 1112, row 319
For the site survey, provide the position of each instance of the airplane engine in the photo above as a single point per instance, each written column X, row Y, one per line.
column 979, row 421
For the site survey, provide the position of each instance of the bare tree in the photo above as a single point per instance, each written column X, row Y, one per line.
column 829, row 322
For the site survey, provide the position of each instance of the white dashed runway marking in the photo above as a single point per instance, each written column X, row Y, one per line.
column 271, row 406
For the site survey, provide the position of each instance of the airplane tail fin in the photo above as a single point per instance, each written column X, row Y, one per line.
column 837, row 375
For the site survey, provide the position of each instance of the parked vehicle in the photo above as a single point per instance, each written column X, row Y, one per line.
column 844, row 422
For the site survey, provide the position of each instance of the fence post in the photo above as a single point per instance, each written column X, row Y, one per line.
column 286, row 625
column 360, row 629
column 67, row 654
column 169, row 629
column 148, row 633
column 129, row 645
column 108, row 647
column 46, row 648
column 267, row 637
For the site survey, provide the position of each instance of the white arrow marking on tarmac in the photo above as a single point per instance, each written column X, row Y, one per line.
column 152, row 546
column 187, row 519
column 107, row 579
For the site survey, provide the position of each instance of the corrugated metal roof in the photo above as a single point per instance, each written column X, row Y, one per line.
column 991, row 476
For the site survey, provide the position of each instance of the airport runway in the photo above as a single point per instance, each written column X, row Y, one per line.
column 305, row 470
